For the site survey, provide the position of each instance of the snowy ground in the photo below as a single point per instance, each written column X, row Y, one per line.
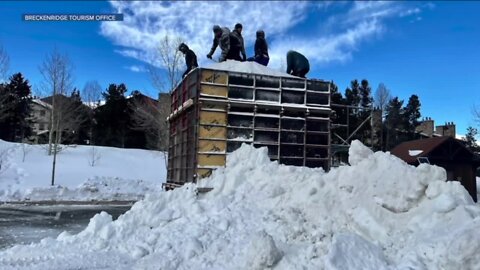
column 118, row 174
column 378, row 213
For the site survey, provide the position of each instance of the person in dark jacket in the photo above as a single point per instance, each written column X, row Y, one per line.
column 297, row 64
column 190, row 58
column 261, row 49
column 222, row 39
column 237, row 46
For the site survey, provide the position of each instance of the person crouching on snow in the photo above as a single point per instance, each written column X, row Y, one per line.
column 297, row 64
column 190, row 58
column 261, row 49
column 222, row 39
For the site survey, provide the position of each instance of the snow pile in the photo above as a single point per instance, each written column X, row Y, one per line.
column 95, row 189
column 379, row 213
column 117, row 174
column 248, row 67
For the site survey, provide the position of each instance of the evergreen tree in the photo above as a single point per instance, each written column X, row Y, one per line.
column 112, row 118
column 16, row 126
column 353, row 98
column 411, row 116
column 393, row 122
column 365, row 94
column 366, row 102
column 471, row 141
column 82, row 129
column 352, row 94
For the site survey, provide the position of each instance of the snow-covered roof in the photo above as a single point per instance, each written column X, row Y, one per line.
column 94, row 104
column 41, row 103
column 413, row 153
column 248, row 67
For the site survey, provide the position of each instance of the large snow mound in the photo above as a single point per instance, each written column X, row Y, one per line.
column 378, row 213
column 248, row 67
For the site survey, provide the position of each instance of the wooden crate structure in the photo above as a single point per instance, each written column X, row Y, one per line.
column 215, row 111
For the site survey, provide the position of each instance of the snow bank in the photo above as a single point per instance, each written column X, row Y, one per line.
column 378, row 213
column 118, row 174
column 248, row 67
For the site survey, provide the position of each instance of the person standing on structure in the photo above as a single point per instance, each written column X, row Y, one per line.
column 190, row 58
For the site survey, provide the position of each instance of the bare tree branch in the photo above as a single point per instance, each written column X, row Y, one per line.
column 66, row 115
column 56, row 70
column 476, row 114
column 4, row 64
column 170, row 60
column 150, row 117
column 382, row 97
column 92, row 93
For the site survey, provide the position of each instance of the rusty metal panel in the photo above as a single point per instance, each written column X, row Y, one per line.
column 212, row 146
column 212, row 132
column 203, row 173
column 214, row 90
column 213, row 107
column 214, row 76
column 213, row 118
column 206, row 160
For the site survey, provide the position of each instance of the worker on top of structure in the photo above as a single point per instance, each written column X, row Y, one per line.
column 297, row 64
column 222, row 39
column 237, row 46
column 261, row 49
column 190, row 58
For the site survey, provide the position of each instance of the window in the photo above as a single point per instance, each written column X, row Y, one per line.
column 423, row 160
column 42, row 126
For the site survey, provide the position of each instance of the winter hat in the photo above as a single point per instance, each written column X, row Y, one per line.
column 182, row 46
column 216, row 28
column 260, row 33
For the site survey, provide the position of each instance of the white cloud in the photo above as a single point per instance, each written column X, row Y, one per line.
column 411, row 11
column 145, row 23
column 136, row 68
column 336, row 47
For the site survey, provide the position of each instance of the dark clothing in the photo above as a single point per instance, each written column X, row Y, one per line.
column 224, row 42
column 237, row 46
column 190, row 61
column 261, row 47
column 261, row 60
column 297, row 64
column 261, row 51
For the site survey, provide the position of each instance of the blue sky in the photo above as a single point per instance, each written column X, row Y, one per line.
column 425, row 48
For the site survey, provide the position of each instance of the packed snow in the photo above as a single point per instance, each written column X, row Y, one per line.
column 83, row 173
column 377, row 213
column 248, row 67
